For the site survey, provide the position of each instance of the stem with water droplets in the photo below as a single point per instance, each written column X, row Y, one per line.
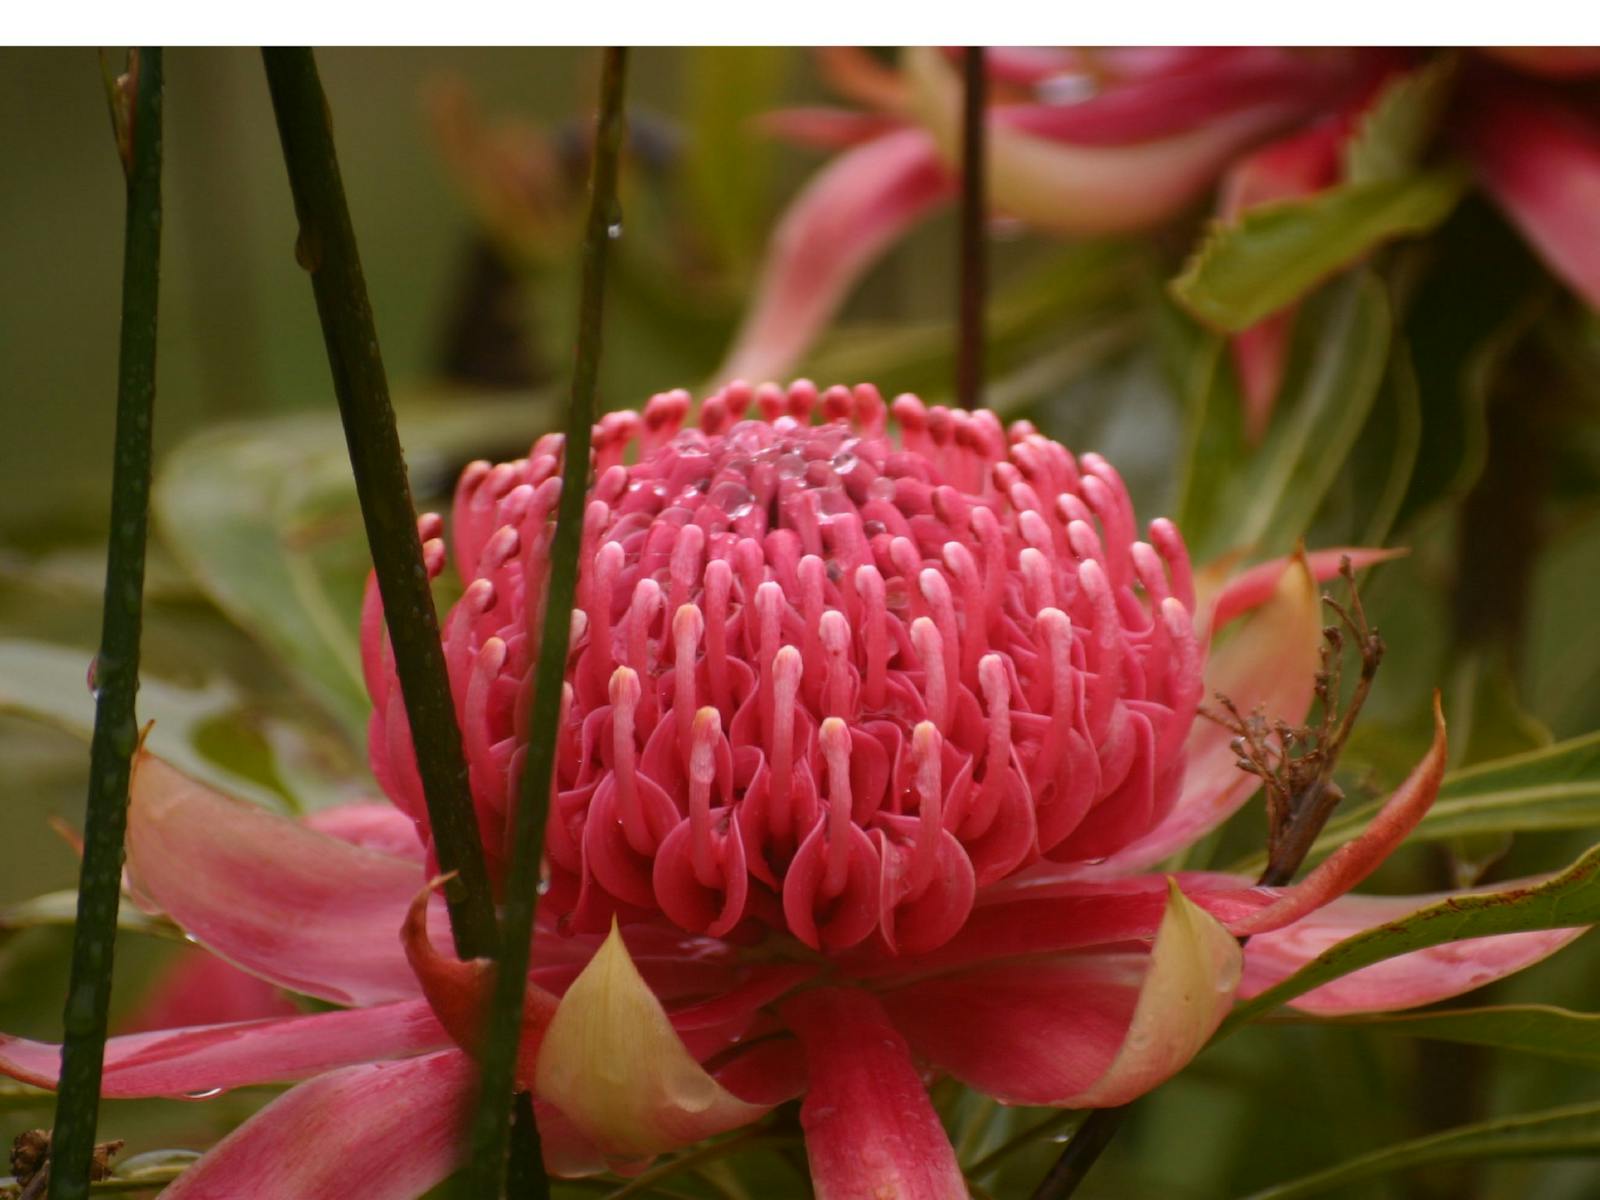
column 117, row 667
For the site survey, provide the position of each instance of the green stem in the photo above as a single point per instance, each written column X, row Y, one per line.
column 116, row 731
column 487, row 1165
column 327, row 249
column 1016, row 1142
column 974, row 278
column 1081, row 1153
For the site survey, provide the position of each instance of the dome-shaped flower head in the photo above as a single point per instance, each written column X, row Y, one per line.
column 825, row 684
column 873, row 715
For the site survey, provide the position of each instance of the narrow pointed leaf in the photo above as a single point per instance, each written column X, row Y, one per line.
column 1541, row 1029
column 1565, row 901
column 1569, row 1132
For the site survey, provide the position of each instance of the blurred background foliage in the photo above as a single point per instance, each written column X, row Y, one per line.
column 1444, row 396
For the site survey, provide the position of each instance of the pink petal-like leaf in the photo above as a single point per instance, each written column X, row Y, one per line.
column 1539, row 156
column 387, row 1131
column 1356, row 859
column 871, row 1131
column 380, row 827
column 1421, row 977
column 828, row 128
column 206, row 1058
column 1553, row 62
column 198, row 988
column 843, row 220
column 1080, row 1031
column 1251, row 588
column 1114, row 173
column 308, row 912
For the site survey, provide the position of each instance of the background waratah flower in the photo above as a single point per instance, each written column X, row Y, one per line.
column 869, row 735
column 1081, row 143
column 1099, row 142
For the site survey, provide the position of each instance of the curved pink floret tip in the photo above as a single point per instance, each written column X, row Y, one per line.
column 826, row 682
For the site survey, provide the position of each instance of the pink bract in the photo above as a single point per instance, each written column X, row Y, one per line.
column 875, row 713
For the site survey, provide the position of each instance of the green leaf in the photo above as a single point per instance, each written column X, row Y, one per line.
column 1556, row 1132
column 263, row 514
column 1274, row 254
column 1569, row 899
column 1271, row 500
column 1397, row 422
column 1075, row 302
column 729, row 172
column 1392, row 136
column 1540, row 1029
column 61, row 908
column 1554, row 788
column 48, row 683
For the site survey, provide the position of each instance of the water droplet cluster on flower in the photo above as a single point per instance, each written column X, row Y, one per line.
column 829, row 676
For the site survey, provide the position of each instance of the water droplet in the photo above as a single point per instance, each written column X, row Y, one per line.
column 92, row 677
column 790, row 466
column 205, row 1095
column 844, row 462
column 308, row 249
column 614, row 230
column 881, row 488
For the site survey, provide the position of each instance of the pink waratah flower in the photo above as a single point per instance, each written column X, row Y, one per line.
column 868, row 743
column 1092, row 142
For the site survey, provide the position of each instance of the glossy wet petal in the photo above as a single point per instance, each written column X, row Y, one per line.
column 207, row 1058
column 304, row 910
column 871, row 1131
column 1082, row 1030
column 386, row 1131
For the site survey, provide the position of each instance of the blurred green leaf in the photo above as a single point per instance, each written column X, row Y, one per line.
column 1268, row 499
column 1540, row 1029
column 1568, row 899
column 1486, row 723
column 1391, row 137
column 1557, row 1132
column 1273, row 255
column 263, row 515
column 61, row 908
column 730, row 164
column 49, row 683
column 1075, row 303
column 1389, row 445
column 1557, row 787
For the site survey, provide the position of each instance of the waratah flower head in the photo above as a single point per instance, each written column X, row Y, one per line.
column 830, row 672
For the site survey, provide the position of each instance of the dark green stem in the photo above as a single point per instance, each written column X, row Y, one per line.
column 1081, row 1153
column 974, row 282
column 116, row 730
column 527, row 835
column 327, row 249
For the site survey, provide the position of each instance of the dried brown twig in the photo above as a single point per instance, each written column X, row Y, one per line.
column 1295, row 763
